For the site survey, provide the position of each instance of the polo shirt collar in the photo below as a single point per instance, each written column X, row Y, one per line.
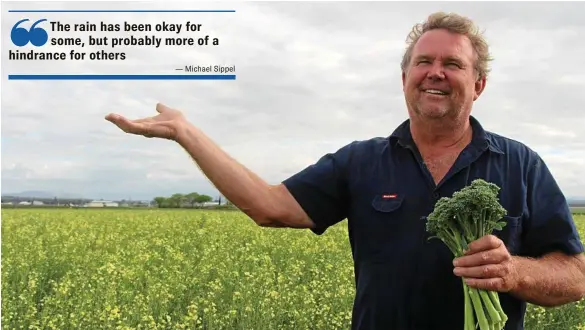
column 480, row 138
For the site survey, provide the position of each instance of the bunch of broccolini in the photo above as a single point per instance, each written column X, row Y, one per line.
column 468, row 215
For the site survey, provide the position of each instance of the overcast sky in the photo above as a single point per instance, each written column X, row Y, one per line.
column 310, row 79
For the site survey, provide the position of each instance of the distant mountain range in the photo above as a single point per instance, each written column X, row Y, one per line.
column 42, row 194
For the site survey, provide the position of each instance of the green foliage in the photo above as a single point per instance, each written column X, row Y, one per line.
column 177, row 200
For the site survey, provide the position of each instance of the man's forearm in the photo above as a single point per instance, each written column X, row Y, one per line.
column 552, row 280
column 245, row 189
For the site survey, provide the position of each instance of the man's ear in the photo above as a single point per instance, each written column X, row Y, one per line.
column 403, row 79
column 479, row 87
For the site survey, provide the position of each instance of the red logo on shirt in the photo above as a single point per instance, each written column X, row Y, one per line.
column 390, row 196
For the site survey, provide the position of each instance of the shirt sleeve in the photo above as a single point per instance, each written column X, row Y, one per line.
column 550, row 224
column 321, row 189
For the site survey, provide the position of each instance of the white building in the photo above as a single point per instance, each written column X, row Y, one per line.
column 101, row 203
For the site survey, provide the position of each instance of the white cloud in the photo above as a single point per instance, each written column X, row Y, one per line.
column 311, row 78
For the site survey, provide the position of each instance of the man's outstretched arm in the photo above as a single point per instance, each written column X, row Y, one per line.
column 268, row 205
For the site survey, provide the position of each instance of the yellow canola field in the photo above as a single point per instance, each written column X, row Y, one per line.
column 184, row 269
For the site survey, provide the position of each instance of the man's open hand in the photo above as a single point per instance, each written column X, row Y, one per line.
column 488, row 265
column 164, row 125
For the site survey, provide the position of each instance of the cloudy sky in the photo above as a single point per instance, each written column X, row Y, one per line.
column 310, row 79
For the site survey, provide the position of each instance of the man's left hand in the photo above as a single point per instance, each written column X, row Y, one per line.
column 488, row 265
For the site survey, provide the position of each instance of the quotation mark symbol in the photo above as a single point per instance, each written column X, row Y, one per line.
column 35, row 35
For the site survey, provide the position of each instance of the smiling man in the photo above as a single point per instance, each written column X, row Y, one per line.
column 386, row 186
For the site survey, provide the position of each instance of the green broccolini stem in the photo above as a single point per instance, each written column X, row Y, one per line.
column 474, row 223
column 493, row 314
column 469, row 318
column 468, row 233
column 486, row 222
column 452, row 241
column 477, row 306
column 480, row 226
column 458, row 244
column 496, row 301
column 449, row 239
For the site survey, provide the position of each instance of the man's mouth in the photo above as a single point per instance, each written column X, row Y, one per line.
column 435, row 91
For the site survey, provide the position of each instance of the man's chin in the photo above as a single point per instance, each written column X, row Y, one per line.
column 433, row 113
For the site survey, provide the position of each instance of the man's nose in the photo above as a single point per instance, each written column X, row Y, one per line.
column 436, row 72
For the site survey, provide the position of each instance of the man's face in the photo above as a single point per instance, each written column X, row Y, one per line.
column 440, row 80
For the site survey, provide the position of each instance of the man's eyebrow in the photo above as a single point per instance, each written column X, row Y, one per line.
column 446, row 59
column 423, row 56
column 453, row 59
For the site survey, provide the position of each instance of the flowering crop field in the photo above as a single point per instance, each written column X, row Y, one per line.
column 183, row 269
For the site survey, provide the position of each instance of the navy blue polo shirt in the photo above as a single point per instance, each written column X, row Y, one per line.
column 382, row 187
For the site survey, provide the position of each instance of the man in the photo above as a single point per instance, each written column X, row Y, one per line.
column 385, row 187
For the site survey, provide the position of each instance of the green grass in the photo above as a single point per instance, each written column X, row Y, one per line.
column 183, row 269
column 571, row 316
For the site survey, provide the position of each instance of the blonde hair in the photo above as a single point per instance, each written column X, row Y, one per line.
column 457, row 24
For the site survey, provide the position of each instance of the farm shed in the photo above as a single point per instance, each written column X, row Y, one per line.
column 101, row 203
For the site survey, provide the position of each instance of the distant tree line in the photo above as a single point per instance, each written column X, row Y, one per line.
column 191, row 200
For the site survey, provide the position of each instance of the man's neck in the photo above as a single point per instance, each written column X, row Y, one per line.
column 441, row 135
